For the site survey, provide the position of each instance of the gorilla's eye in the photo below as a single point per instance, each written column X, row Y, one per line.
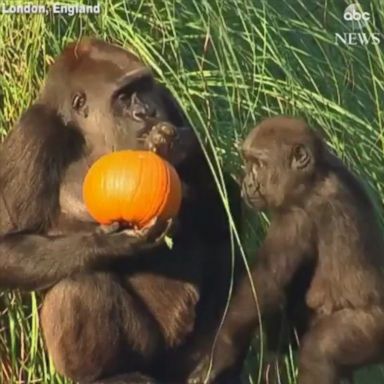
column 78, row 101
column 255, row 169
column 123, row 98
column 258, row 163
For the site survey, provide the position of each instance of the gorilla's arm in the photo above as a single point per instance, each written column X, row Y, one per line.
column 269, row 278
column 33, row 159
column 32, row 262
column 283, row 252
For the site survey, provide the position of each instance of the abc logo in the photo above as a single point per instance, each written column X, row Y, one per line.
column 352, row 13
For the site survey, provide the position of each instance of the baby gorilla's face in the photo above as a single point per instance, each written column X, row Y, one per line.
column 278, row 164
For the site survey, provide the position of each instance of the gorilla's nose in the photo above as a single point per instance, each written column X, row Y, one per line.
column 250, row 189
column 245, row 196
column 245, row 189
column 137, row 108
column 243, row 193
column 250, row 185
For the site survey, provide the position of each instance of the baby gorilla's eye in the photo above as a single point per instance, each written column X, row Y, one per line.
column 255, row 168
column 258, row 163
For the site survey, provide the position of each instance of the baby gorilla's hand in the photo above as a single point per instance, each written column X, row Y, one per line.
column 215, row 363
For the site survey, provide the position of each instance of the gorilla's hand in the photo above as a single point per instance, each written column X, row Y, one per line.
column 149, row 236
column 220, row 363
column 153, row 233
column 161, row 139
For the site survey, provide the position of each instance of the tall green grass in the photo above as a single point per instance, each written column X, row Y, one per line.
column 230, row 63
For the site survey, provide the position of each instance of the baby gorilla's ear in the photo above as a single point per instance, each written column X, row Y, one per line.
column 301, row 157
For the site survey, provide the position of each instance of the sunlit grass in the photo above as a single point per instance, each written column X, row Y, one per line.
column 229, row 63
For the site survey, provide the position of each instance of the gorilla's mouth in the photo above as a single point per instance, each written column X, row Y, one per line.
column 253, row 200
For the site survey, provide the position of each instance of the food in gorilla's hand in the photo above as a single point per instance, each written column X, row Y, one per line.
column 161, row 138
column 132, row 187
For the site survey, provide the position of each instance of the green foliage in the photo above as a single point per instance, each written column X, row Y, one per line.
column 230, row 63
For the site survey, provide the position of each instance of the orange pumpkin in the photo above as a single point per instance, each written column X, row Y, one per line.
column 131, row 187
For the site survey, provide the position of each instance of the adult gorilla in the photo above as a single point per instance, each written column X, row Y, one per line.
column 116, row 304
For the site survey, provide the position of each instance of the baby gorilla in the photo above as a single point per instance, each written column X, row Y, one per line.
column 321, row 218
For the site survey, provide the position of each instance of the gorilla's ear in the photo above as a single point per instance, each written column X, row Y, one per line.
column 33, row 158
column 176, row 113
column 301, row 157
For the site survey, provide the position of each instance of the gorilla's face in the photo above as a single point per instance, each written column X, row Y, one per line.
column 280, row 161
column 108, row 93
